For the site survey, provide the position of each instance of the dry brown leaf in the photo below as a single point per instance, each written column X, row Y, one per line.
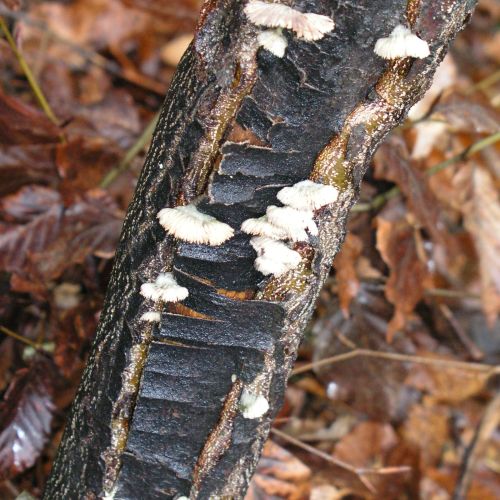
column 279, row 474
column 482, row 220
column 408, row 273
column 485, row 484
column 392, row 163
column 367, row 445
column 446, row 385
column 467, row 114
column 369, row 385
column 345, row 271
column 427, row 429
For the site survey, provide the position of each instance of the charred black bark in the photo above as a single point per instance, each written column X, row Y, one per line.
column 157, row 413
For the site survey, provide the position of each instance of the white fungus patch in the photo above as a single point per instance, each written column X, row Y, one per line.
column 262, row 227
column 307, row 26
column 401, row 43
column 332, row 390
column 151, row 317
column 308, row 195
column 164, row 289
column 110, row 495
column 187, row 223
column 292, row 221
column 274, row 41
column 274, row 257
column 252, row 405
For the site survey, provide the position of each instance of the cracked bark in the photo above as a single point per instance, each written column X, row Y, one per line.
column 156, row 415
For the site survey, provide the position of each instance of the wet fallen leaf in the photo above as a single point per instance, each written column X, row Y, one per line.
column 26, row 164
column 68, row 235
column 23, row 124
column 25, row 416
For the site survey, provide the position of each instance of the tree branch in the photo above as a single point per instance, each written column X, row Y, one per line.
column 157, row 414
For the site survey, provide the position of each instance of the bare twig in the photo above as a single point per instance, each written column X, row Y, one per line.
column 35, row 87
column 489, row 423
column 141, row 142
column 16, row 336
column 474, row 351
column 393, row 356
column 451, row 294
column 380, row 200
column 359, row 471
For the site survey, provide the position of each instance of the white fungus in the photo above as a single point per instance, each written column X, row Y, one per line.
column 262, row 227
column 274, row 41
column 308, row 26
column 189, row 224
column 164, row 289
column 401, row 43
column 308, row 195
column 252, row 405
column 274, row 257
column 292, row 221
column 151, row 317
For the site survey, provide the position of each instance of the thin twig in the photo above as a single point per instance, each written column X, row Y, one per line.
column 383, row 198
column 141, row 142
column 359, row 471
column 394, row 356
column 486, row 428
column 473, row 349
column 451, row 294
column 29, row 74
column 16, row 336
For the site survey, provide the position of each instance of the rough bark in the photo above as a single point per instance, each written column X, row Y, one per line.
column 156, row 415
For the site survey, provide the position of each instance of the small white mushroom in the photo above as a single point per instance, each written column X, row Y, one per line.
column 401, row 43
column 164, row 289
column 308, row 195
column 252, row 405
column 308, row 26
column 262, row 227
column 274, row 257
column 293, row 221
column 187, row 223
column 151, row 317
column 274, row 41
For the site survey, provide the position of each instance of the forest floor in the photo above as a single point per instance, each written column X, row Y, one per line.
column 396, row 390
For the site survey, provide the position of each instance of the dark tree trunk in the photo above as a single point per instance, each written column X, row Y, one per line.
column 156, row 414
